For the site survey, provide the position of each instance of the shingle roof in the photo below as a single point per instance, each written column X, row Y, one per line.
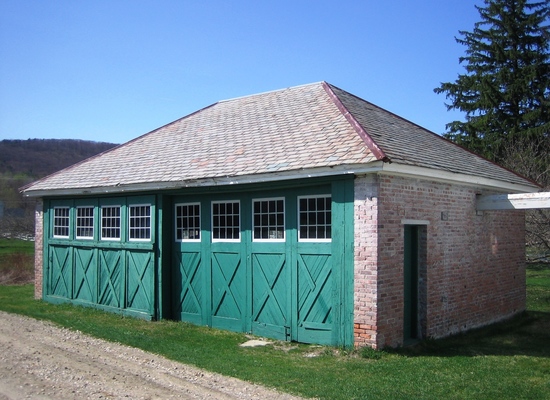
column 295, row 129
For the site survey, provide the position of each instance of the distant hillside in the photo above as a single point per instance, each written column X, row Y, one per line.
column 24, row 161
column 36, row 158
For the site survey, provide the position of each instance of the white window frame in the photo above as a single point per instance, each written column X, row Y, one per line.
column 63, row 217
column 114, row 239
column 132, row 229
column 272, row 240
column 316, row 240
column 85, row 218
column 212, row 221
column 187, row 229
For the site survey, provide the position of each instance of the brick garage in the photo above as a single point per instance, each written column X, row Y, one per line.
column 303, row 214
column 472, row 272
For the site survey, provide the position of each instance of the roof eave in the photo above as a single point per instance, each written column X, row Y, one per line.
column 211, row 182
column 440, row 175
column 394, row 168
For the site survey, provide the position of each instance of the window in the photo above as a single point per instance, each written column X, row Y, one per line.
column 110, row 222
column 85, row 222
column 188, row 222
column 315, row 218
column 140, row 222
column 226, row 222
column 269, row 219
column 61, row 222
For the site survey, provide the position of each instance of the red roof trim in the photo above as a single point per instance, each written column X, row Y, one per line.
column 371, row 144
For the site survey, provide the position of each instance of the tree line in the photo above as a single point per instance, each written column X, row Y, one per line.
column 24, row 161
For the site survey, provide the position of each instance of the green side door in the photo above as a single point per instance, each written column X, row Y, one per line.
column 410, row 283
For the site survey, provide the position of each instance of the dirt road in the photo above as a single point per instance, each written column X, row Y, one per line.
column 41, row 361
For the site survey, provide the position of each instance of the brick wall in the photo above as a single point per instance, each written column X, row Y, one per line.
column 366, row 260
column 475, row 269
column 38, row 248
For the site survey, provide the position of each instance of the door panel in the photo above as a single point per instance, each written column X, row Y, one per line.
column 85, row 275
column 110, row 278
column 315, row 298
column 61, row 274
column 140, row 281
column 270, row 295
column 189, row 283
column 228, row 288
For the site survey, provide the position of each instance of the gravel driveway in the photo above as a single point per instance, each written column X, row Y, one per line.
column 41, row 361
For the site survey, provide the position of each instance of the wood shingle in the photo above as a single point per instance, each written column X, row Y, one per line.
column 296, row 130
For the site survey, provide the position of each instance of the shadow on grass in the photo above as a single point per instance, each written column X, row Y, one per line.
column 527, row 334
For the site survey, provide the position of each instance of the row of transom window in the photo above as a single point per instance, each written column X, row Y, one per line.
column 139, row 222
column 268, row 220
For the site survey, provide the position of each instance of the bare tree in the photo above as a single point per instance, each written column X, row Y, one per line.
column 526, row 158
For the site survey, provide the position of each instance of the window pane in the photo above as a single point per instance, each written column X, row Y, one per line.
column 226, row 221
column 269, row 219
column 85, row 222
column 61, row 222
column 110, row 223
column 188, row 222
column 140, row 222
column 315, row 218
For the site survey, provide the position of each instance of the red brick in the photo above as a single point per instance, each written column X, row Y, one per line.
column 475, row 271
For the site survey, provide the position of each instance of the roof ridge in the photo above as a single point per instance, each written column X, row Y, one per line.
column 363, row 134
column 270, row 91
column 436, row 136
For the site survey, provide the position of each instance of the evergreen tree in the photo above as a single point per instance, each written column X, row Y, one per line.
column 505, row 92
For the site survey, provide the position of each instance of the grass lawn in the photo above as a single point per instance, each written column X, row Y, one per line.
column 505, row 361
column 538, row 287
column 9, row 246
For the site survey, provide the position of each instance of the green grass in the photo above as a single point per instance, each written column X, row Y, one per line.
column 505, row 361
column 538, row 287
column 9, row 246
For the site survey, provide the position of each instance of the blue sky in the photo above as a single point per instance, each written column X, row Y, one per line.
column 112, row 70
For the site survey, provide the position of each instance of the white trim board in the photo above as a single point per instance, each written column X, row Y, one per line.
column 523, row 201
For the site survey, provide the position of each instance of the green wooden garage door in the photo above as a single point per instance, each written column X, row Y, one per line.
column 101, row 253
column 111, row 279
column 264, row 263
